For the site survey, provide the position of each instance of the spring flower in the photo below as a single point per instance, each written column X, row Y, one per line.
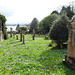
column 29, row 70
column 48, row 70
column 38, row 63
column 56, row 64
column 60, row 68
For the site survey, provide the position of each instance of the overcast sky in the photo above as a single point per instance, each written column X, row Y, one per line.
column 23, row 11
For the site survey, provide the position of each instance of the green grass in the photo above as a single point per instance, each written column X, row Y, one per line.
column 33, row 58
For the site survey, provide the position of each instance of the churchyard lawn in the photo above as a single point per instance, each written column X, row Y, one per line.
column 34, row 57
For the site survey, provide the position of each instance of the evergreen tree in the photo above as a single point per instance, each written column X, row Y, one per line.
column 68, row 10
column 59, row 31
column 34, row 25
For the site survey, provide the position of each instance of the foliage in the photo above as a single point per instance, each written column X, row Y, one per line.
column 18, row 28
column 59, row 31
column 68, row 10
column 33, row 58
column 34, row 25
column 4, row 29
column 46, row 23
column 23, row 28
column 55, row 12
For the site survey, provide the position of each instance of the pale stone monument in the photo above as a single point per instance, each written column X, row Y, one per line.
column 1, row 34
column 70, row 57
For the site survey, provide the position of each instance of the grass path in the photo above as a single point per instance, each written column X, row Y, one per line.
column 33, row 58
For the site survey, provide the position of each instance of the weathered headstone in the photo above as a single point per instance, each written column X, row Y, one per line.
column 1, row 34
column 20, row 35
column 13, row 34
column 10, row 32
column 16, row 37
column 46, row 37
column 23, row 39
column 33, row 35
column 70, row 57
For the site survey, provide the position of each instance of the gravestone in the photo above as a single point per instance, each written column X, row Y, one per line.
column 20, row 35
column 16, row 37
column 23, row 39
column 13, row 34
column 1, row 34
column 33, row 35
column 10, row 32
column 46, row 37
column 70, row 57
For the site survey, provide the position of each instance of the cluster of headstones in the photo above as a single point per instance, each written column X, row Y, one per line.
column 21, row 35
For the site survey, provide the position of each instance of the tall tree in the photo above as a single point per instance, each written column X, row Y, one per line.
column 34, row 25
column 68, row 10
column 46, row 23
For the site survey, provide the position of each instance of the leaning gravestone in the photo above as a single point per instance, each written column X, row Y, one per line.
column 70, row 57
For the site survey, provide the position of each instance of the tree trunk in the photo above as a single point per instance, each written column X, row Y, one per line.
column 60, row 45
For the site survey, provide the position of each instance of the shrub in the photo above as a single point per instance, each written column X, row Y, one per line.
column 59, row 31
